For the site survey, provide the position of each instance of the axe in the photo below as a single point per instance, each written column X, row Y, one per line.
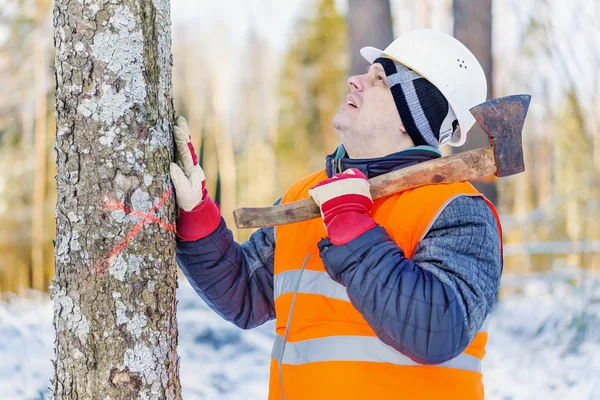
column 502, row 119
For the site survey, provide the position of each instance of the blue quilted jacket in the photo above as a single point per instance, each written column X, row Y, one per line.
column 452, row 279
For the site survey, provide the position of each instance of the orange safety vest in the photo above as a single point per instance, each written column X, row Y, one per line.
column 329, row 351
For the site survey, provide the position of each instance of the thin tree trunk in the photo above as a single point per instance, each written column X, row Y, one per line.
column 39, row 180
column 425, row 14
column 226, row 162
column 473, row 27
column 369, row 24
column 206, row 143
column 114, row 287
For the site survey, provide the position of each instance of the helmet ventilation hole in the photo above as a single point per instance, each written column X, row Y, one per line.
column 454, row 125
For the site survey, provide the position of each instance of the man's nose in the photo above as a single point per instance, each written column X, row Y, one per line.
column 356, row 83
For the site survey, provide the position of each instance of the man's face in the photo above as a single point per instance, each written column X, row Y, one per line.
column 370, row 113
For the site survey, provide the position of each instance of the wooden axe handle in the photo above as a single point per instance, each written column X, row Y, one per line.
column 455, row 168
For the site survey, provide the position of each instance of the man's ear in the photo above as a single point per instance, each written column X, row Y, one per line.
column 402, row 128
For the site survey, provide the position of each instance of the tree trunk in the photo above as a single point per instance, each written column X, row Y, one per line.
column 473, row 27
column 114, row 288
column 369, row 24
column 226, row 169
column 40, row 173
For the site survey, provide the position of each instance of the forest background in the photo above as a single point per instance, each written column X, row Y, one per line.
column 260, row 80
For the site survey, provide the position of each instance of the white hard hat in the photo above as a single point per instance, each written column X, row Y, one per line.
column 449, row 66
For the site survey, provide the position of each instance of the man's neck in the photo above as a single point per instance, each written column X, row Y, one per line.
column 377, row 149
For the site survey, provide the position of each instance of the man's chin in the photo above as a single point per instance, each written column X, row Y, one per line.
column 341, row 121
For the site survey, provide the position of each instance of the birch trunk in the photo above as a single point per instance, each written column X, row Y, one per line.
column 114, row 288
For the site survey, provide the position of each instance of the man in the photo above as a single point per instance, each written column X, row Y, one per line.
column 377, row 300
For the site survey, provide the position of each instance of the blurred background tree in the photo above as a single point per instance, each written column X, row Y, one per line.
column 260, row 81
column 26, row 123
column 369, row 24
column 312, row 89
column 473, row 27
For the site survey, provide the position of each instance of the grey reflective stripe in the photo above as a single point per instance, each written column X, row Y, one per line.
column 356, row 348
column 312, row 282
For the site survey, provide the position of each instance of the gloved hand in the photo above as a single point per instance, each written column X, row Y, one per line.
column 199, row 215
column 345, row 202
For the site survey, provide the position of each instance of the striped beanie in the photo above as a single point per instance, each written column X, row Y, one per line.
column 422, row 107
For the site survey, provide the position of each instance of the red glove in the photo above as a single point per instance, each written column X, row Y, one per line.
column 199, row 215
column 345, row 202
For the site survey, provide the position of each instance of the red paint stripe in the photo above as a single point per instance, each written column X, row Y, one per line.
column 146, row 216
column 170, row 227
column 101, row 266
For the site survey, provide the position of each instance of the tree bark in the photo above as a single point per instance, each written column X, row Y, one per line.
column 473, row 27
column 114, row 288
column 369, row 24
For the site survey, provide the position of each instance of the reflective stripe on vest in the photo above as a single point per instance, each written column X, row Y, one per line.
column 343, row 348
column 356, row 348
column 315, row 282
column 311, row 282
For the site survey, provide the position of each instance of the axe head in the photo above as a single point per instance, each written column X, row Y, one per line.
column 502, row 119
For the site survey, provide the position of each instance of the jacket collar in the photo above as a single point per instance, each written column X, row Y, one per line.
column 372, row 167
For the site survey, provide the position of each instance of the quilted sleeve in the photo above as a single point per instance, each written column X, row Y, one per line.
column 235, row 280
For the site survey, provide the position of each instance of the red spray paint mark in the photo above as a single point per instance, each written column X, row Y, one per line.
column 110, row 204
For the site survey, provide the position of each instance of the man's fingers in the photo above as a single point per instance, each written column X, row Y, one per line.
column 183, row 125
column 356, row 172
column 188, row 178
column 179, row 163
column 180, row 181
column 312, row 193
column 196, row 178
column 187, row 190
column 200, row 173
column 181, row 136
column 184, row 149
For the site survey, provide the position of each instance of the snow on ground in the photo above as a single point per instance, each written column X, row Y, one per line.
column 545, row 339
column 544, row 342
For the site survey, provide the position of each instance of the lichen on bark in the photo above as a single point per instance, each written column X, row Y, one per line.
column 114, row 288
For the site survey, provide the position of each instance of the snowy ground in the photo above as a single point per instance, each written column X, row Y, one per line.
column 544, row 344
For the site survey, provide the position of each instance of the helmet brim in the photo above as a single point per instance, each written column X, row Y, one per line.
column 371, row 54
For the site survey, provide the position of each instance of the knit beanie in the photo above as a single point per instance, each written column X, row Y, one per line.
column 422, row 107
